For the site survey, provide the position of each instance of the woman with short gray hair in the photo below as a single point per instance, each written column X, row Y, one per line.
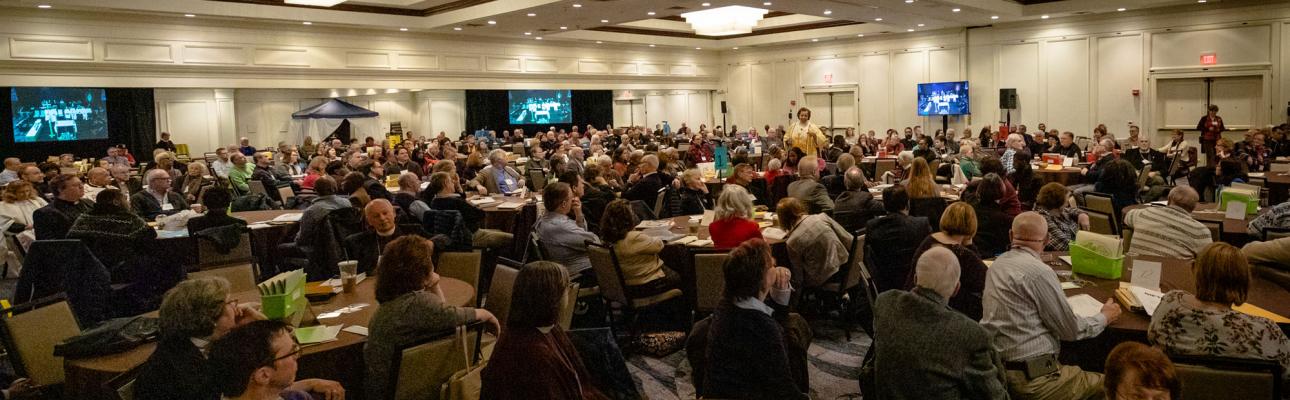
column 193, row 314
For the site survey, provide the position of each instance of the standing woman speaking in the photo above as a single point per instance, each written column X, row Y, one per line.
column 807, row 136
column 1211, row 129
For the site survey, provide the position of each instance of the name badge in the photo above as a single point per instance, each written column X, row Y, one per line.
column 167, row 207
column 510, row 181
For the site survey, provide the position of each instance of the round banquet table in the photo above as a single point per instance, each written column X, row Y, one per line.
column 1066, row 176
column 87, row 378
column 180, row 246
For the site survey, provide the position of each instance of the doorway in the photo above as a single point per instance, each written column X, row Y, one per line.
column 834, row 110
column 1180, row 102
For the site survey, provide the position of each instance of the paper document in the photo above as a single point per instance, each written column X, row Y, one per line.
column 700, row 243
column 686, row 239
column 1105, row 245
column 1260, row 312
column 317, row 334
column 289, row 217
column 1235, row 210
column 509, row 206
column 1084, row 305
column 482, row 200
column 357, row 330
column 1146, row 275
column 774, row 233
column 1150, row 299
column 1069, row 285
column 1066, row 259
column 708, row 216
column 1159, row 203
column 654, row 224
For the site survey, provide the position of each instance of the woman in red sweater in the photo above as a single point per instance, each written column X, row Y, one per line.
column 733, row 224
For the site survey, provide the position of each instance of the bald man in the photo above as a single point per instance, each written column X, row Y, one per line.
column 97, row 180
column 12, row 166
column 965, row 366
column 1027, row 318
column 1169, row 231
column 366, row 246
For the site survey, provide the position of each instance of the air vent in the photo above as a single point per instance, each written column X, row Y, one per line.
column 1082, row 13
column 474, row 25
column 678, row 8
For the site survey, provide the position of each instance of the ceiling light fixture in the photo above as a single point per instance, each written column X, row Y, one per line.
column 1043, row 17
column 651, row 45
column 706, row 4
column 599, row 42
column 456, row 28
column 307, row 23
column 1121, row 9
column 909, row 1
column 860, row 35
column 725, row 21
column 491, row 22
column 528, row 33
column 532, row 14
column 956, row 10
column 734, row 48
column 604, row 21
column 920, row 25
column 576, row 5
column 564, row 28
column 815, row 40
column 767, row 3
column 827, row 12
column 994, row 17
column 878, row 19
column 190, row 15
column 538, row 38
column 698, row 48
column 1200, row 1
column 44, row 6
column 649, row 13
column 909, row 30
column 315, row 3
column 403, row 29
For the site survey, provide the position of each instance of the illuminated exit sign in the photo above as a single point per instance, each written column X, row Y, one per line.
column 1209, row 59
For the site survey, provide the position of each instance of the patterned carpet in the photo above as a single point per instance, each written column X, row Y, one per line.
column 834, row 365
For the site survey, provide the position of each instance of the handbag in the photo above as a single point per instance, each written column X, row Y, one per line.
column 111, row 337
column 466, row 383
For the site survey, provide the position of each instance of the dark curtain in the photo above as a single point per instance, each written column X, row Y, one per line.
column 131, row 116
column 488, row 109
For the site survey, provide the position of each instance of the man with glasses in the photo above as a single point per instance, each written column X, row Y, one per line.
column 1027, row 318
column 156, row 199
column 258, row 361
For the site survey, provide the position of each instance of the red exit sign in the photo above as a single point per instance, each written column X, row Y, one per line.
column 1209, row 59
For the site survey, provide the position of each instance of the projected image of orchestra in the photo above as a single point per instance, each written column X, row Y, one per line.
column 58, row 114
column 540, row 107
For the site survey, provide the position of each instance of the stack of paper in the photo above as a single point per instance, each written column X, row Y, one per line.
column 774, row 233
column 655, row 224
column 685, row 240
column 317, row 334
column 277, row 285
column 1149, row 299
column 1105, row 245
column 289, row 217
column 1084, row 305
column 509, row 206
column 700, row 243
column 482, row 200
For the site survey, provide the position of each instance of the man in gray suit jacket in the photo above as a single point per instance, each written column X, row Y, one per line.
column 927, row 350
column 808, row 188
column 497, row 177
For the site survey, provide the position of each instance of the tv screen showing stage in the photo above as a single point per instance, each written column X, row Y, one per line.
column 540, row 107
column 50, row 114
column 943, row 98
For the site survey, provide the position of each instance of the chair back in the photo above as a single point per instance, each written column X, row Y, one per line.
column 1099, row 222
column 122, row 386
column 608, row 273
column 241, row 278
column 286, row 192
column 1101, row 202
column 660, row 201
column 257, row 187
column 30, row 338
column 856, row 274
column 462, row 265
column 328, row 248
column 209, row 255
column 539, row 250
column 779, row 188
column 422, row 368
column 709, row 280
column 930, row 207
column 1207, row 377
column 1279, row 167
column 538, row 178
column 570, row 302
column 882, row 166
column 498, row 301
column 1126, row 236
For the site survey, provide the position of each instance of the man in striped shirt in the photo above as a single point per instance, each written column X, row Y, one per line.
column 1168, row 231
column 1027, row 317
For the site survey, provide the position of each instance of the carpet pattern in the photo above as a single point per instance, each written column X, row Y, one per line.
column 834, row 367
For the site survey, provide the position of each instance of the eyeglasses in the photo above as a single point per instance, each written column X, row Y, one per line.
column 295, row 353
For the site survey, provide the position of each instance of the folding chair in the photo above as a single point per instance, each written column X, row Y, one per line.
column 423, row 367
column 609, row 278
column 1208, row 377
column 1101, row 202
column 461, row 265
column 709, row 281
column 30, row 337
column 241, row 278
column 1099, row 222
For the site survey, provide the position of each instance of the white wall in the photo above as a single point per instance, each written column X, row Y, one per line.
column 652, row 107
column 1070, row 73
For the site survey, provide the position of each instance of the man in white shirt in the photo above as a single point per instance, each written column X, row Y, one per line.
column 221, row 165
column 97, row 180
column 1027, row 318
column 12, row 166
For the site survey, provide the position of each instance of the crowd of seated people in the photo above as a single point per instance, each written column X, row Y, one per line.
column 599, row 182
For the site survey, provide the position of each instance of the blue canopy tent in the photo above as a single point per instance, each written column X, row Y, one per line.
column 321, row 120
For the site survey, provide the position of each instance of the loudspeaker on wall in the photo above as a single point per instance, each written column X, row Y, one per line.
column 1008, row 99
column 723, row 106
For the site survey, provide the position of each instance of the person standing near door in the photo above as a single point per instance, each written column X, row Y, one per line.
column 807, row 136
column 1211, row 129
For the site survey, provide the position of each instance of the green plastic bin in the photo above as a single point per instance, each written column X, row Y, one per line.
column 1089, row 262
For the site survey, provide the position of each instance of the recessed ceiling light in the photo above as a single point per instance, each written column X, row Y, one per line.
column 860, row 35
column 994, row 17
column 956, row 10
column 599, row 42
column 920, row 25
column 190, row 15
column 698, row 48
column 1043, row 17
column 706, row 4
column 532, row 14
column 491, row 22
column 815, row 40
column 1200, row 1
column 1121, row 9
column 827, row 12
column 734, row 48
column 650, row 13
column 403, row 29
column 604, row 21
column 528, row 33
column 538, row 38
column 576, row 5
column 909, row 30
column 909, row 1
column 456, row 28
column 44, row 6
column 651, row 45
column 564, row 28
column 878, row 19
column 764, row 4
column 307, row 23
